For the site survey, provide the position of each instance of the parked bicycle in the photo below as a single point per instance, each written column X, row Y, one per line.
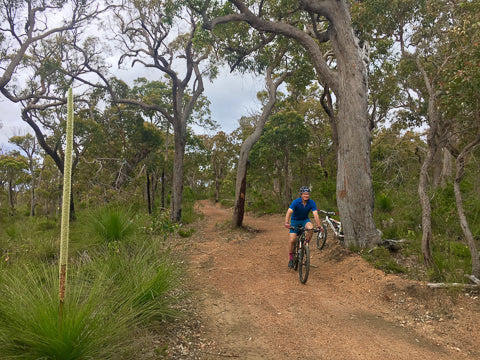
column 334, row 224
column 301, row 253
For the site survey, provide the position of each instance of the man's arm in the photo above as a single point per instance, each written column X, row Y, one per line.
column 288, row 215
column 317, row 218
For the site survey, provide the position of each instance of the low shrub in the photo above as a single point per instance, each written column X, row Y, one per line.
column 381, row 258
column 110, row 293
column 110, row 224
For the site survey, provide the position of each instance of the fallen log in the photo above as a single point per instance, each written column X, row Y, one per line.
column 452, row 285
column 473, row 278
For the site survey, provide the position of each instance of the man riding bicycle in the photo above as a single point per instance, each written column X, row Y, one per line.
column 297, row 215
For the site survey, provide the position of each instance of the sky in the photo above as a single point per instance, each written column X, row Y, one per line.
column 231, row 95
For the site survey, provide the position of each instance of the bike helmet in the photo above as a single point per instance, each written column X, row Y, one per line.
column 304, row 189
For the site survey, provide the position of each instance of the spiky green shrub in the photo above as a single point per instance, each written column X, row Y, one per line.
column 110, row 224
column 92, row 326
column 148, row 278
column 112, row 292
column 384, row 203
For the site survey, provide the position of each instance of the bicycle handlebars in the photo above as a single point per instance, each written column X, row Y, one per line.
column 301, row 228
column 329, row 213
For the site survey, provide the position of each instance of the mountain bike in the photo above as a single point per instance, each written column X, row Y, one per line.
column 301, row 253
column 336, row 227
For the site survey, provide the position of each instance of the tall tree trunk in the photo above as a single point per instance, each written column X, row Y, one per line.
column 239, row 208
column 33, row 201
column 433, row 146
column 240, row 186
column 460, row 165
column 446, row 167
column 217, row 189
column 149, row 203
column 355, row 196
column 165, row 160
column 11, row 197
column 426, row 206
column 180, row 135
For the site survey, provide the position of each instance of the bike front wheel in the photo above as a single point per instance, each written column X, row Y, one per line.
column 304, row 263
column 322, row 238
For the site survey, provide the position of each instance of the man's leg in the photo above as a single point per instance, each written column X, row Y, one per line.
column 309, row 234
column 291, row 247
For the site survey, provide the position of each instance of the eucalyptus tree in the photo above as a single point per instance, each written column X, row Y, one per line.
column 272, row 85
column 12, row 169
column 280, row 153
column 24, row 24
column 33, row 37
column 28, row 144
column 162, row 37
column 434, row 43
column 324, row 29
column 460, row 83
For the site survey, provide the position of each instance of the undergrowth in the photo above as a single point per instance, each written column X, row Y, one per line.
column 120, row 279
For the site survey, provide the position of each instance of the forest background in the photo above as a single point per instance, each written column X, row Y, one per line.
column 141, row 158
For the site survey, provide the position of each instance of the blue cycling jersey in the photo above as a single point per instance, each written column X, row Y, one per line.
column 300, row 211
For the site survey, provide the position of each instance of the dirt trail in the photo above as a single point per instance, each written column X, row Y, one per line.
column 254, row 307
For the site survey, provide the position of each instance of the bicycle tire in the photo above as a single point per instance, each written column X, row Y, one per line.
column 304, row 263
column 322, row 238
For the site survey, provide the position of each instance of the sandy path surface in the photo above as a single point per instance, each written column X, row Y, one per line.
column 254, row 307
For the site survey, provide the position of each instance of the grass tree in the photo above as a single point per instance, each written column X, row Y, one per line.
column 67, row 185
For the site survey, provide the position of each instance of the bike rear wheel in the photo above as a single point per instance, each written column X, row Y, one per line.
column 322, row 238
column 304, row 263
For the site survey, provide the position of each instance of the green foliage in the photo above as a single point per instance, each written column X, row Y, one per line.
column 381, row 258
column 185, row 232
column 111, row 293
column 29, row 326
column 162, row 225
column 384, row 203
column 452, row 261
column 110, row 224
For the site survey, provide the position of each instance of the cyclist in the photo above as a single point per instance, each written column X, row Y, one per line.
column 297, row 215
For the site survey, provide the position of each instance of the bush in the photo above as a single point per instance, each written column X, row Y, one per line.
column 110, row 293
column 381, row 258
column 110, row 225
column 452, row 260
column 29, row 318
column 384, row 203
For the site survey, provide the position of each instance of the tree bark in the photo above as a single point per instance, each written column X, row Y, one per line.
column 446, row 167
column 355, row 196
column 239, row 208
column 432, row 148
column 180, row 136
column 426, row 206
column 149, row 200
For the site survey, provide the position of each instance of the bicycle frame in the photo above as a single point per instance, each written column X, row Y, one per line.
column 302, row 253
column 334, row 224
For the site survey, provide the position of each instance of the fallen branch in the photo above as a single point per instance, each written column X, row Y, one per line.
column 473, row 278
column 451, row 285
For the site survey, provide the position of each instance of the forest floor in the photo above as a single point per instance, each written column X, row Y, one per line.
column 247, row 304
